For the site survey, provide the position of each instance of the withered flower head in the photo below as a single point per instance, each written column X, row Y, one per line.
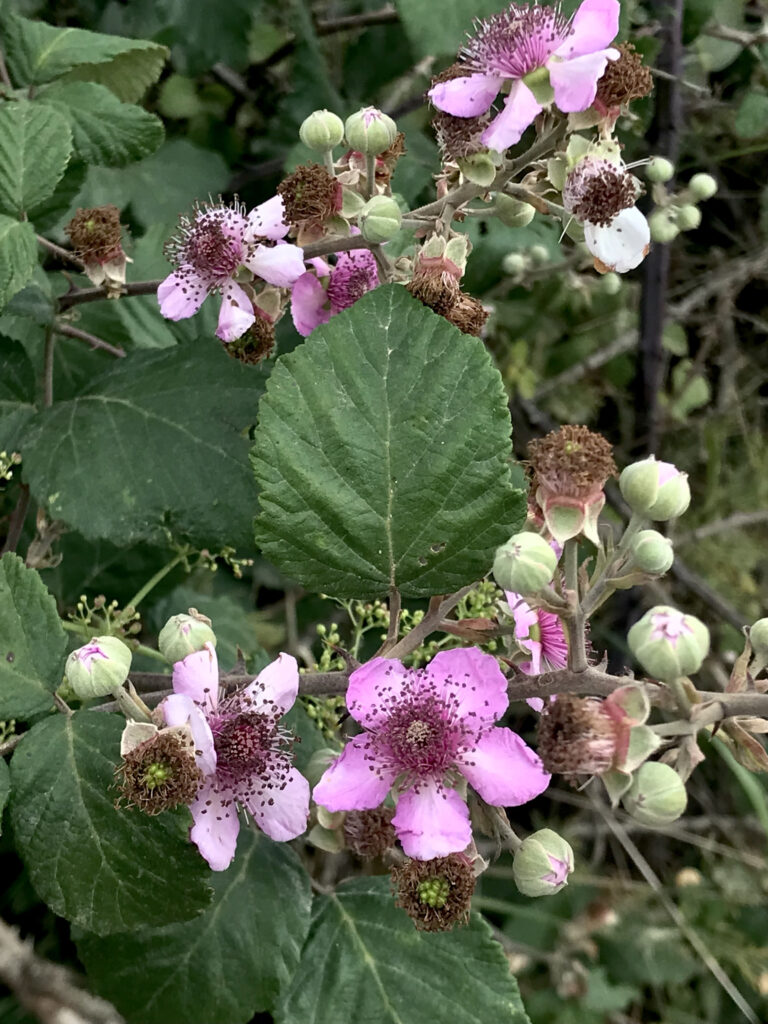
column 468, row 314
column 458, row 137
column 96, row 233
column 572, row 461
column 159, row 773
column 596, row 191
column 310, row 195
column 577, row 736
column 369, row 833
column 386, row 162
column 623, row 80
column 256, row 344
column 436, row 894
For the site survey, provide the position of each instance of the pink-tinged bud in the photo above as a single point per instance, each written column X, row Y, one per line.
column 655, row 489
column 525, row 564
column 185, row 634
column 657, row 795
column 542, row 864
column 370, row 131
column 669, row 644
column 99, row 667
column 321, row 131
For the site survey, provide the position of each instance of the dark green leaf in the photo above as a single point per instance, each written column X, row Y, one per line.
column 164, row 446
column 445, row 35
column 382, row 453
column 104, row 130
column 5, row 788
column 225, row 965
column 365, row 961
column 32, row 641
column 35, row 146
column 105, row 869
column 17, row 384
column 18, row 256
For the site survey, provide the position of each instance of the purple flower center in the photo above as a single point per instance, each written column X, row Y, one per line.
column 213, row 253
column 210, row 245
column 516, row 41
column 353, row 276
column 243, row 744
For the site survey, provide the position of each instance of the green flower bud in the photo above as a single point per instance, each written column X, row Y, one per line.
column 688, row 217
column 655, row 489
column 657, row 795
column 370, row 131
column 702, row 186
column 185, row 634
column 758, row 637
column 669, row 644
column 663, row 226
column 98, row 668
column 542, row 864
column 610, row 283
column 478, row 168
column 380, row 219
column 651, row 552
column 539, row 254
column 660, row 169
column 525, row 564
column 321, row 131
column 514, row 213
column 514, row 263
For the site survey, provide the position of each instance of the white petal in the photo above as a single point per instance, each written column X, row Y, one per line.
column 623, row 244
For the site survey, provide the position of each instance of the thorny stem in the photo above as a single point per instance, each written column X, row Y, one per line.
column 395, row 605
column 74, row 332
column 80, row 295
column 57, row 250
column 575, row 621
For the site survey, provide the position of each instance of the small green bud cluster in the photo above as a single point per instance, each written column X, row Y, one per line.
column 7, row 462
column 380, row 219
column 434, row 892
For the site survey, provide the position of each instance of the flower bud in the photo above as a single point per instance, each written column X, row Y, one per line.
column 663, row 226
column 380, row 219
column 525, row 564
column 370, row 131
column 185, row 634
column 610, row 284
column 514, row 213
column 542, row 864
column 514, row 263
column 688, row 217
column 321, row 131
column 758, row 637
column 539, row 254
column 99, row 667
column 651, row 552
column 478, row 168
column 669, row 644
column 657, row 795
column 660, row 169
column 655, row 489
column 702, row 186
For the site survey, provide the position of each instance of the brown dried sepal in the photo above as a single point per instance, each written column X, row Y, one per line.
column 369, row 833
column 623, row 80
column 159, row 773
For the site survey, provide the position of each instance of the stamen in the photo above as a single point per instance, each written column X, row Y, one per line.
column 516, row 41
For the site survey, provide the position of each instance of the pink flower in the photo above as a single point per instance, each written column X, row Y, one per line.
column 319, row 295
column 512, row 45
column 540, row 633
column 209, row 252
column 424, row 730
column 242, row 752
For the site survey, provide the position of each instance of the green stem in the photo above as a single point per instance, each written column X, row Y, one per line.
column 597, row 592
column 132, row 711
column 150, row 585
column 328, row 161
column 575, row 622
column 50, row 347
column 370, row 175
column 150, row 652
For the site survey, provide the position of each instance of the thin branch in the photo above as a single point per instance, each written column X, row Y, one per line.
column 366, row 19
column 16, row 522
column 429, row 624
column 737, row 521
column 11, row 744
column 50, row 348
column 74, row 332
column 57, row 250
column 80, row 295
column 5, row 78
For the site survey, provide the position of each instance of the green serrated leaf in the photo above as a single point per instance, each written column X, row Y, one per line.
column 32, row 641
column 430, row 36
column 35, row 146
column 18, row 256
column 251, row 935
column 365, row 961
column 39, row 53
column 104, row 130
column 17, row 385
column 5, row 789
column 104, row 869
column 382, row 454
column 164, row 446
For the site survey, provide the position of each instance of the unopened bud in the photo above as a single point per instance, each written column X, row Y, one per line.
column 185, row 634
column 370, row 131
column 539, row 254
column 525, row 564
column 669, row 644
column 514, row 213
column 321, row 131
column 478, row 168
column 651, row 552
column 660, row 169
column 655, row 489
column 663, row 226
column 380, row 219
column 688, row 217
column 542, row 864
column 758, row 637
column 702, row 186
column 514, row 263
column 610, row 284
column 657, row 795
column 98, row 668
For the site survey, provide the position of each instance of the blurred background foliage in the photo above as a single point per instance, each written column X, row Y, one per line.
column 572, row 347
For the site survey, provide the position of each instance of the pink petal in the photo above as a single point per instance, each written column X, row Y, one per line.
column 278, row 684
column 377, row 681
column 266, row 220
column 324, row 269
column 594, row 25
column 281, row 265
column 575, row 81
column 471, row 682
column 432, row 821
column 181, row 294
column 307, row 300
column 623, row 244
column 216, row 827
column 179, row 709
column 535, row 703
column 532, row 667
column 503, row 769
column 198, row 677
column 467, row 96
column 282, row 812
column 520, row 108
column 355, row 781
column 236, row 314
